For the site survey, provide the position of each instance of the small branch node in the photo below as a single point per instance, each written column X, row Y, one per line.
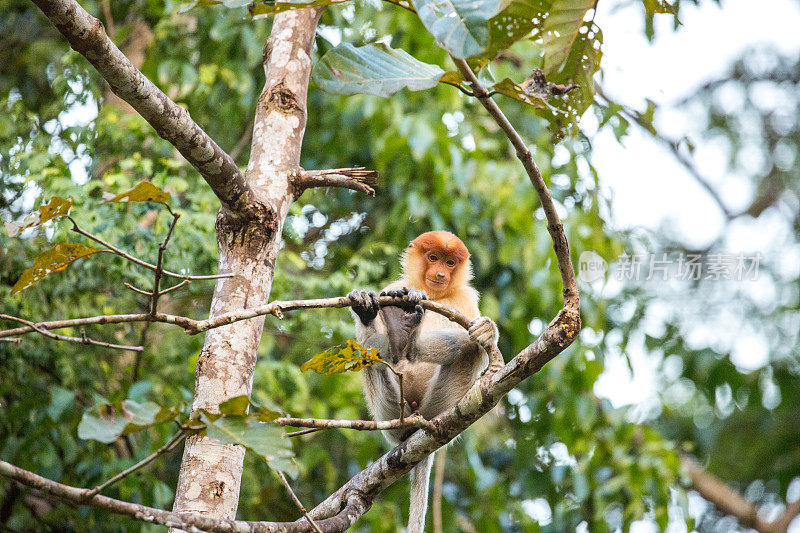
column 354, row 178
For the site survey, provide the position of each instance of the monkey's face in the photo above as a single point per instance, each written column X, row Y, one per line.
column 439, row 269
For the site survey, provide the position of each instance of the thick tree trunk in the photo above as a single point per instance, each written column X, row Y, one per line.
column 211, row 472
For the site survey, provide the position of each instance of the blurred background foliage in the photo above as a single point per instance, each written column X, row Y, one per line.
column 555, row 456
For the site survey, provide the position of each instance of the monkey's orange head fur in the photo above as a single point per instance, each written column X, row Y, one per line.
column 437, row 262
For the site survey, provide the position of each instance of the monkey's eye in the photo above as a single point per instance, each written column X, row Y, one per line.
column 433, row 258
column 451, row 263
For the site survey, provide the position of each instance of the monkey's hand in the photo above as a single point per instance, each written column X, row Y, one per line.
column 484, row 331
column 364, row 305
column 414, row 298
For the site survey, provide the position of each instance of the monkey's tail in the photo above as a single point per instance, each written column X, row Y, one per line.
column 420, row 475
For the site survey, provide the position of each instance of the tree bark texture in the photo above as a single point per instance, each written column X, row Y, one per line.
column 211, row 472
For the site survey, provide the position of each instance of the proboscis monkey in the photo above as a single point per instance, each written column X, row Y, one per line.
column 438, row 359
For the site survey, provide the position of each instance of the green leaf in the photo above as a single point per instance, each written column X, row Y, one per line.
column 268, row 441
column 460, row 26
column 61, row 399
column 238, row 406
column 658, row 6
column 143, row 192
column 513, row 23
column 349, row 356
column 133, row 416
column 141, row 414
column 231, row 4
column 53, row 260
column 235, row 406
column 560, row 30
column 267, row 8
column 58, row 207
column 373, row 69
column 144, row 415
column 105, row 430
column 579, row 68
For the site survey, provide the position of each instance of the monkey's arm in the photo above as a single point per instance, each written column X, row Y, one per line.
column 370, row 326
column 445, row 347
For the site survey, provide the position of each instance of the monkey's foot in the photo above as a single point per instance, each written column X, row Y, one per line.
column 495, row 360
column 484, row 331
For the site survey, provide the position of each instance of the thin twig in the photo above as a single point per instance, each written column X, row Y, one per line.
column 175, row 287
column 159, row 263
column 169, row 446
column 137, row 361
column 106, row 4
column 297, row 501
column 83, row 339
column 137, row 289
column 182, row 321
column 165, row 291
column 415, row 420
column 733, row 503
column 136, row 260
column 244, row 140
column 302, row 432
column 460, row 88
column 402, row 399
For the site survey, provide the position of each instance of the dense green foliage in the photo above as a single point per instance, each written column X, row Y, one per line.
column 553, row 456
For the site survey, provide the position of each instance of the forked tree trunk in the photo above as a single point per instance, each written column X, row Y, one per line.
column 248, row 247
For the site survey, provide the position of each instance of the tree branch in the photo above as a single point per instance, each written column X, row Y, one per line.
column 491, row 387
column 160, row 266
column 355, row 178
column 87, row 36
column 413, row 421
column 353, row 509
column 478, row 401
column 186, row 323
column 297, row 501
column 554, row 226
column 83, row 339
column 173, row 442
column 731, row 502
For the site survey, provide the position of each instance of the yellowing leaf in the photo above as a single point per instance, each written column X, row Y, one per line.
column 143, row 192
column 58, row 207
column 52, row 260
column 348, row 356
